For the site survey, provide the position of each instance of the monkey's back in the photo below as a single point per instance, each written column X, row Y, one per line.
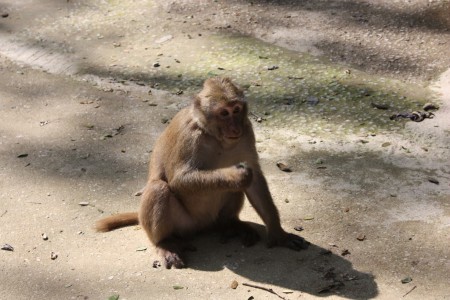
column 174, row 147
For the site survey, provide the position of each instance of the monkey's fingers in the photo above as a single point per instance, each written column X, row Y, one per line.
column 296, row 242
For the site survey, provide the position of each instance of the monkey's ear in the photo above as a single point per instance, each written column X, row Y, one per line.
column 200, row 113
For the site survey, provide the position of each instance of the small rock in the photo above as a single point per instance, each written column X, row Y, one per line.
column 385, row 144
column 361, row 237
column 430, row 106
column 22, row 155
column 379, row 106
column 44, row 237
column 88, row 126
column 271, row 68
column 345, row 252
column 7, row 247
column 156, row 65
column 406, row 280
column 433, row 180
column 5, row 15
column 283, row 167
column 53, row 255
column 298, row 228
column 164, row 39
column 312, row 100
column 234, row 284
column 83, row 203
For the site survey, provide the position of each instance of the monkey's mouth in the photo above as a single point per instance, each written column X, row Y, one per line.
column 233, row 138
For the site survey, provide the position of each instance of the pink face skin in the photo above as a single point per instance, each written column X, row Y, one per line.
column 230, row 120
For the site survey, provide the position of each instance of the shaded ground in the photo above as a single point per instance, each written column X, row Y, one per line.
column 78, row 124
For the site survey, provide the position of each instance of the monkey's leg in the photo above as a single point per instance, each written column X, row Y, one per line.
column 229, row 224
column 162, row 216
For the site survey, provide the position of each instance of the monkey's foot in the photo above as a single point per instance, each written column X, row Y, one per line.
column 172, row 259
column 249, row 236
column 170, row 250
column 296, row 242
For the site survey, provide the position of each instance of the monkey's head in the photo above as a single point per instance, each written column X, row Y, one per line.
column 221, row 110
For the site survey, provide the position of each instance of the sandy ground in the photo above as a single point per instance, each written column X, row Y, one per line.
column 78, row 124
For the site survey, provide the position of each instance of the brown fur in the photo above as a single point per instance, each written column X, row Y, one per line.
column 117, row 221
column 201, row 167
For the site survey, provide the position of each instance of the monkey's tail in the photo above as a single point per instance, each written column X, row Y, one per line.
column 117, row 221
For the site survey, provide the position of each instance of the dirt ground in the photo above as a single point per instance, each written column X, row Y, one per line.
column 86, row 87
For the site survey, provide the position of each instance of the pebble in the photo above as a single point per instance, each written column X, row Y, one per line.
column 7, row 247
column 234, row 284
column 164, row 39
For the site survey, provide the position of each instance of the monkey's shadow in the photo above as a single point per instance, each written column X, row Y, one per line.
column 316, row 271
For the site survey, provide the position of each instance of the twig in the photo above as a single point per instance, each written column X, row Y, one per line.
column 257, row 118
column 4, row 213
column 414, row 287
column 255, row 115
column 264, row 289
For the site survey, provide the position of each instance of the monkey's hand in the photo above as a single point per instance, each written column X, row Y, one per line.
column 240, row 175
column 288, row 240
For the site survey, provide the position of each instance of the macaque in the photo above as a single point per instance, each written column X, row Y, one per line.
column 201, row 168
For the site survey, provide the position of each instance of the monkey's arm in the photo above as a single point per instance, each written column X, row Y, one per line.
column 193, row 180
column 259, row 196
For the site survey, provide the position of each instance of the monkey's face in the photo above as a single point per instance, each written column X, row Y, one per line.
column 230, row 120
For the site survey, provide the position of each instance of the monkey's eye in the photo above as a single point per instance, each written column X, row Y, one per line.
column 224, row 113
column 236, row 110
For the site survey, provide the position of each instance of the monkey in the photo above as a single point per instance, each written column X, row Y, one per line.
column 202, row 166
